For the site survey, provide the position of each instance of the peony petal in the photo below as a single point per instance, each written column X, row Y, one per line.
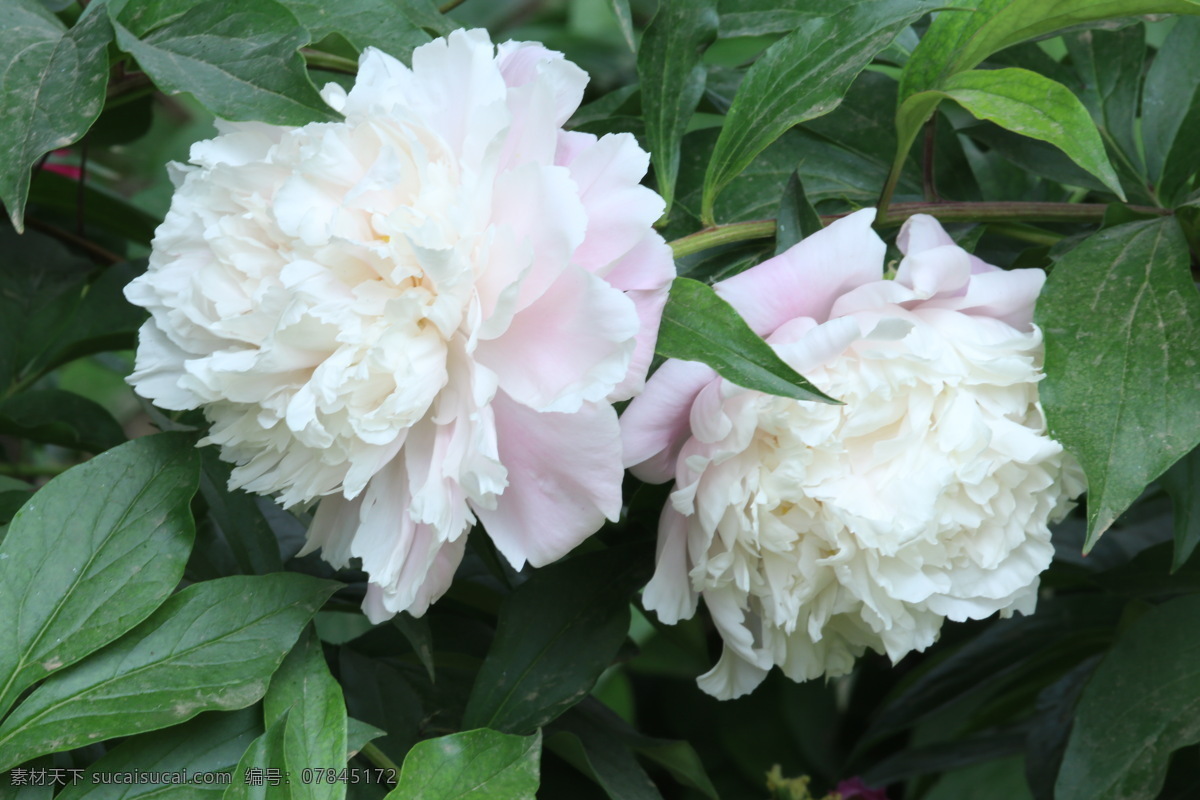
column 644, row 274
column 654, row 426
column 805, row 280
column 523, row 63
column 564, row 480
column 669, row 593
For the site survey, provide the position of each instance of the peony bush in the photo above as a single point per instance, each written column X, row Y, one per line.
column 482, row 399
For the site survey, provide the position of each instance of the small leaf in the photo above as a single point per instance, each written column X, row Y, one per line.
column 672, row 80
column 210, row 743
column 1120, row 314
column 473, row 765
column 802, row 76
column 211, row 646
column 58, row 417
column 1028, row 104
column 93, row 554
column 1142, row 704
column 1171, row 110
column 697, row 325
column 234, row 535
column 54, row 83
column 557, row 632
column 1182, row 483
column 797, row 218
column 359, row 734
column 620, row 10
column 241, row 62
column 1110, row 63
column 264, row 756
column 364, row 23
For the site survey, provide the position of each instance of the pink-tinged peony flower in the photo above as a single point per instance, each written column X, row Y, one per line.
column 815, row 531
column 420, row 315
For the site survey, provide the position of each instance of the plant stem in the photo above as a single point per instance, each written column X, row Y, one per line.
column 945, row 212
column 378, row 758
column 450, row 5
column 319, row 59
column 94, row 250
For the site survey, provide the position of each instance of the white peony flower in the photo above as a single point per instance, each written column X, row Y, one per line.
column 421, row 314
column 816, row 531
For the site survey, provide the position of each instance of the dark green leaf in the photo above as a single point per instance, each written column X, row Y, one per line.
column 62, row 418
column 103, row 319
column 212, row 646
column 474, row 765
column 697, row 325
column 18, row 786
column 210, row 743
column 1142, row 704
column 625, row 21
column 557, row 632
column 606, row 761
column 236, row 536
column 672, row 80
column 315, row 732
column 264, row 756
column 104, row 209
column 802, row 76
column 416, row 631
column 1182, row 482
column 944, row 756
column 1121, row 315
column 1171, row 110
column 1026, row 103
column 381, row 695
column 1038, row 157
column 92, row 555
column 1110, row 65
column 54, row 82
column 364, row 23
column 241, row 62
column 1051, row 728
column 797, row 218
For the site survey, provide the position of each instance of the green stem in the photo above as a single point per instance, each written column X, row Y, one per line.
column 378, row 758
column 319, row 59
column 450, row 5
column 1025, row 233
column 722, row 234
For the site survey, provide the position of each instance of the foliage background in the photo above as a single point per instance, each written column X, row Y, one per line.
column 152, row 620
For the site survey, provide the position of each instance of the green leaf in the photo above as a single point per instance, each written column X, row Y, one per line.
column 697, row 325
column 359, row 734
column 18, row 785
column 106, row 210
column 211, row 646
column 54, row 82
column 1122, row 324
column 1182, row 483
column 241, row 62
column 474, row 765
column 416, row 631
column 1171, row 110
column 209, row 744
column 1142, row 704
column 557, row 632
column 672, row 80
column 607, row 762
column 802, row 76
column 103, row 319
column 234, row 534
column 264, row 758
column 797, row 218
column 62, row 418
column 1110, row 64
column 315, row 733
column 364, row 23
column 92, row 555
column 620, row 10
column 1026, row 103
column 381, row 695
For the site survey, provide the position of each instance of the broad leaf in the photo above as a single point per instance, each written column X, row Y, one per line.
column 58, row 417
column 92, row 555
column 474, row 765
column 211, row 743
column 1110, row 65
column 241, row 62
column 53, row 90
column 1142, row 704
column 803, row 75
column 1171, row 110
column 315, row 732
column 557, row 632
column 234, row 534
column 264, row 757
column 1122, row 393
column 1023, row 102
column 1182, row 483
column 364, row 23
column 697, row 325
column 672, row 80
column 212, row 646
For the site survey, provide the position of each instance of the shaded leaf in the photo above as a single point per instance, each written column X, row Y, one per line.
column 1182, row 483
column 797, row 218
column 1171, row 110
column 92, row 555
column 264, row 756
column 58, row 417
column 1051, row 728
column 620, row 9
column 1120, row 316
column 211, row 646
column 236, row 536
column 473, row 765
column 697, row 325
column 1110, row 65
column 385, row 24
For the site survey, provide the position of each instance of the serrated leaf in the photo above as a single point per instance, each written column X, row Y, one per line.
column 1141, row 704
column 54, row 82
column 697, row 325
column 672, row 80
column 802, row 76
column 364, row 23
column 210, row 743
column 1121, row 316
column 1028, row 104
column 1171, row 110
column 92, row 555
column 210, row 647
column 557, row 632
column 473, row 765
column 241, row 62
column 58, row 417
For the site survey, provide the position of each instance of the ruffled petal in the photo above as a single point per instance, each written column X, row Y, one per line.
column 654, row 426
